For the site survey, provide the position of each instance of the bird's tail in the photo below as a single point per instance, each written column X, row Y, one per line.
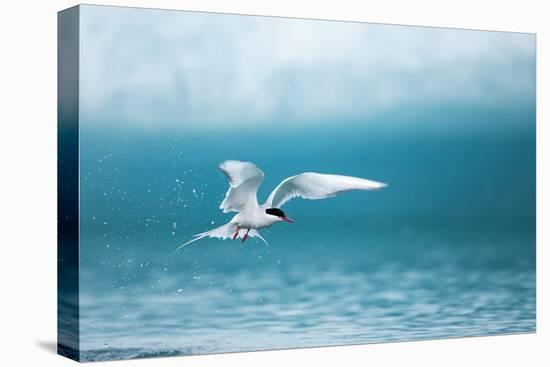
column 223, row 232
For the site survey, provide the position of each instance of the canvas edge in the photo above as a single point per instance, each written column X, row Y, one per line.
column 68, row 330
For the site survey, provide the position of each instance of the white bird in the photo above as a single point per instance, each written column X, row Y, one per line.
column 245, row 179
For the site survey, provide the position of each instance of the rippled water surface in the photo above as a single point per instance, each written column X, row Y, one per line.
column 252, row 297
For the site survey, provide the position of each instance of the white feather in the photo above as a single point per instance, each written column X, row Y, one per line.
column 227, row 231
column 314, row 186
column 244, row 180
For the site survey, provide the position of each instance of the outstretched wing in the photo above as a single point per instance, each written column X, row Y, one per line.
column 314, row 186
column 244, row 180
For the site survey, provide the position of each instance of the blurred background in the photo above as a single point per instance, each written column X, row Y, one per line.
column 446, row 117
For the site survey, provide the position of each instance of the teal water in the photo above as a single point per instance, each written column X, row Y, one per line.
column 447, row 250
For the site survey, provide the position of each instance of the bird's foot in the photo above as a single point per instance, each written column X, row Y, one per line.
column 245, row 235
column 236, row 233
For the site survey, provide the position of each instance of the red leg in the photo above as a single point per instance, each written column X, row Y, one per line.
column 245, row 235
column 236, row 232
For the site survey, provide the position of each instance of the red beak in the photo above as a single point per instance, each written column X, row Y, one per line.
column 287, row 219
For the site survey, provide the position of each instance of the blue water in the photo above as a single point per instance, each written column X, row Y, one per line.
column 447, row 250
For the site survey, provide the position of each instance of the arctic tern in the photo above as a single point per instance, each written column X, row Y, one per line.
column 245, row 179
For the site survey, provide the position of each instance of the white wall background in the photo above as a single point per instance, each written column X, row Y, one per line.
column 28, row 182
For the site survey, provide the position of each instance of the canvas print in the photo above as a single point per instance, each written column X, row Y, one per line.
column 233, row 183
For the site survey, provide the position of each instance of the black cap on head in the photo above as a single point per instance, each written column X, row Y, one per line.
column 276, row 212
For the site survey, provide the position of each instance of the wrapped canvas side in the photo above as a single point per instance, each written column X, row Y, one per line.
column 68, row 185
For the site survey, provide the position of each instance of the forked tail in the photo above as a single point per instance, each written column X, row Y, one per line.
column 224, row 232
